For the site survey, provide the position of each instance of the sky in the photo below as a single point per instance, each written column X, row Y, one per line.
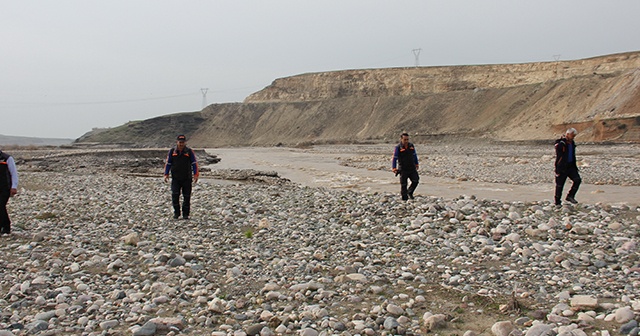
column 68, row 66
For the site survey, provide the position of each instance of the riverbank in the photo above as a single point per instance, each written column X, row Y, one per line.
column 610, row 173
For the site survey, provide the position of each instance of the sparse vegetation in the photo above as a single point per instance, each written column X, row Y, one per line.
column 248, row 232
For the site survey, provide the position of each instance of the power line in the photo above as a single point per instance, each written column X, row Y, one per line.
column 203, row 92
column 102, row 102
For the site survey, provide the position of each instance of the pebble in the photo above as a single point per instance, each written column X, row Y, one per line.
column 540, row 329
column 395, row 310
column 626, row 328
column 502, row 328
column 624, row 314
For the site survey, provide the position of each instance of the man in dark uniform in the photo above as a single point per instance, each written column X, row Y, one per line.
column 183, row 165
column 566, row 166
column 8, row 188
column 405, row 163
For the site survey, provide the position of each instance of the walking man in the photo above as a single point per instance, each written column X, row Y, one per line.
column 8, row 188
column 405, row 164
column 182, row 164
column 566, row 166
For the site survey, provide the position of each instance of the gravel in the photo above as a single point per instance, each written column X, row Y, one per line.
column 99, row 254
column 507, row 162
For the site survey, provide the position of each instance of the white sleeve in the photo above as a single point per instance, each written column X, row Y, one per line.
column 11, row 164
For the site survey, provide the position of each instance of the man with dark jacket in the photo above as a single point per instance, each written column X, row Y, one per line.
column 566, row 166
column 183, row 165
column 8, row 188
column 405, row 163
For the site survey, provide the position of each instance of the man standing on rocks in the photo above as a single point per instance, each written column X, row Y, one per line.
column 8, row 188
column 405, row 163
column 566, row 166
column 182, row 164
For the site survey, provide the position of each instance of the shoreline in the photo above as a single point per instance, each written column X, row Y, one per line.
column 323, row 168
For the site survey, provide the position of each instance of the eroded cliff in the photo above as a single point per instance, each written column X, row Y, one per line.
column 599, row 96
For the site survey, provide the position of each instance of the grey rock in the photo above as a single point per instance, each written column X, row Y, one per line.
column 105, row 325
column 177, row 261
column 540, row 330
column 254, row 329
column 37, row 326
column 390, row 323
column 147, row 329
column 502, row 328
column 626, row 328
column 45, row 316
column 308, row 332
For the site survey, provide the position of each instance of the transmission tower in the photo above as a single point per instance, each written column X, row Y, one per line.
column 557, row 58
column 204, row 96
column 416, row 53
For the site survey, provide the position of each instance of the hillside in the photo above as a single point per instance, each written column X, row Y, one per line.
column 9, row 140
column 599, row 96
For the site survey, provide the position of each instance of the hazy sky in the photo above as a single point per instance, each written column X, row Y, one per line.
column 68, row 66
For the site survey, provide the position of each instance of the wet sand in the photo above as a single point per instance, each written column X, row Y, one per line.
column 323, row 169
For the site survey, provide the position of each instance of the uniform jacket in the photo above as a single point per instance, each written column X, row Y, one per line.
column 405, row 159
column 562, row 155
column 182, row 164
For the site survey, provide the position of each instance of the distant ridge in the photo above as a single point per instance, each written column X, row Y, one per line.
column 8, row 140
column 598, row 96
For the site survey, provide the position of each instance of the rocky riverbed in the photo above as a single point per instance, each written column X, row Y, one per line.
column 99, row 254
column 510, row 163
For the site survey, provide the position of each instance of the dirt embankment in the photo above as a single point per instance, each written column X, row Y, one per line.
column 535, row 101
column 125, row 161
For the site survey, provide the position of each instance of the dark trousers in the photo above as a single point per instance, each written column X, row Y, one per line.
column 5, row 222
column 408, row 175
column 184, row 187
column 561, row 178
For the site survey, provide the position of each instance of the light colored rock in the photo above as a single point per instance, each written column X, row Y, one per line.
column 106, row 325
column 308, row 332
column 502, row 328
column 540, row 330
column 266, row 315
column 394, row 310
column 624, row 314
column 131, row 239
column 357, row 277
column 584, row 302
column 432, row 322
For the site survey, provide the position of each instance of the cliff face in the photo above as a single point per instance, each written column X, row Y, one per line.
column 535, row 101
column 419, row 81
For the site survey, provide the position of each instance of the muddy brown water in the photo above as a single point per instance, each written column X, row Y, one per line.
column 323, row 169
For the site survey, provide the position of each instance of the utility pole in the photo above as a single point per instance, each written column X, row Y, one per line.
column 204, row 96
column 416, row 53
